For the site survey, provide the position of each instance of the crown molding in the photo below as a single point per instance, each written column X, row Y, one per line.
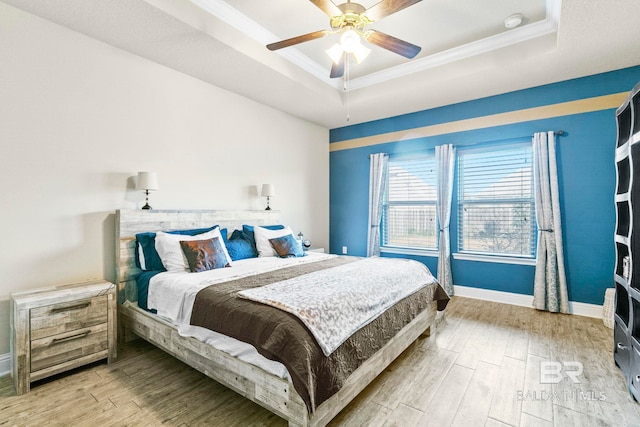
column 257, row 32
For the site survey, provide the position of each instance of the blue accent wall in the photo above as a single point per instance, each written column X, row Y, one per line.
column 586, row 177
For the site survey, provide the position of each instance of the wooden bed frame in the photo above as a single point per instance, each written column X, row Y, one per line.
column 271, row 392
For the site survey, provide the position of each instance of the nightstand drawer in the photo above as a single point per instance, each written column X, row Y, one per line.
column 57, row 349
column 67, row 316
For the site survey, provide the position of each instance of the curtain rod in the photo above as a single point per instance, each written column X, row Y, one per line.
column 555, row 132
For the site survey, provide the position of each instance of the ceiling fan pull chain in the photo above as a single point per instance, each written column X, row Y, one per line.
column 347, row 69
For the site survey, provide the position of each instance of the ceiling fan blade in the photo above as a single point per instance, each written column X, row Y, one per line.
column 328, row 7
column 391, row 43
column 387, row 7
column 337, row 70
column 299, row 39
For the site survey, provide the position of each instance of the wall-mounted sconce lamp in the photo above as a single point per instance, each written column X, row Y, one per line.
column 268, row 190
column 147, row 181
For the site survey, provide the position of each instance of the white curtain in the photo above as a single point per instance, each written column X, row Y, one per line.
column 377, row 183
column 445, row 161
column 550, row 283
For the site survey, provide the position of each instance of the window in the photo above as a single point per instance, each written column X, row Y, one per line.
column 496, row 202
column 409, row 209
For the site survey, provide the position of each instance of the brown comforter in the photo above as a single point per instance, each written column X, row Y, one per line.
column 281, row 336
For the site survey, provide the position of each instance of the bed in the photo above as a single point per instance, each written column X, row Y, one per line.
column 263, row 381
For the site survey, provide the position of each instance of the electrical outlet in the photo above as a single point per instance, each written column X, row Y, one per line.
column 344, row 250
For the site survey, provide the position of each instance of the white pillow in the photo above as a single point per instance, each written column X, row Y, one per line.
column 170, row 251
column 262, row 236
column 143, row 262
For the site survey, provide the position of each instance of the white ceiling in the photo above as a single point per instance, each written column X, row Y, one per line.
column 467, row 53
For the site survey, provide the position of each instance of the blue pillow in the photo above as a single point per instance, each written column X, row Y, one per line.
column 147, row 242
column 248, row 230
column 239, row 246
column 287, row 246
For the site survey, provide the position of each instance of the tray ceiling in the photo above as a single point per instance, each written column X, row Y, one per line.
column 467, row 52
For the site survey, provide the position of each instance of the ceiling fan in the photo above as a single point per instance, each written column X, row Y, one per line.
column 350, row 19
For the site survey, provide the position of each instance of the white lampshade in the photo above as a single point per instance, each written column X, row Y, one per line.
column 335, row 53
column 360, row 52
column 147, row 181
column 268, row 190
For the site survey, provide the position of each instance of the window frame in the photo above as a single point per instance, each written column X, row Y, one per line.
column 500, row 257
column 427, row 155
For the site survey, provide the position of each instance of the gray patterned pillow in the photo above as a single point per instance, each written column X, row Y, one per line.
column 203, row 255
column 287, row 246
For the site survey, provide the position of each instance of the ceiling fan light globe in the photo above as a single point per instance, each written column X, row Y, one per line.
column 349, row 41
column 361, row 52
column 335, row 52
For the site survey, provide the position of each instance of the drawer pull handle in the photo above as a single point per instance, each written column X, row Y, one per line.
column 70, row 338
column 71, row 307
column 621, row 347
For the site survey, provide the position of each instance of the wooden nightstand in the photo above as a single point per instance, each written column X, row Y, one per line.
column 60, row 328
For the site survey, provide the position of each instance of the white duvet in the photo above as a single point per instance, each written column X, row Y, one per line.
column 172, row 294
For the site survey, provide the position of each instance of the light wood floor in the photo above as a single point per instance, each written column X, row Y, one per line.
column 482, row 368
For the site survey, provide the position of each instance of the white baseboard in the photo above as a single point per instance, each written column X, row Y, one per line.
column 577, row 308
column 587, row 310
column 5, row 364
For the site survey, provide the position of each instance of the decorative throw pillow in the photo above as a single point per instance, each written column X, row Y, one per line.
column 204, row 255
column 240, row 246
column 263, row 235
column 168, row 247
column 147, row 257
column 287, row 246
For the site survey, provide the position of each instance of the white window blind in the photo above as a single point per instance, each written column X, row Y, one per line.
column 409, row 210
column 496, row 201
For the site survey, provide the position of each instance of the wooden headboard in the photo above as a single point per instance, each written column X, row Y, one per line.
column 130, row 222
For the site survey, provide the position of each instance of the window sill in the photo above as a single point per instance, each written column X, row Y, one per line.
column 494, row 258
column 409, row 251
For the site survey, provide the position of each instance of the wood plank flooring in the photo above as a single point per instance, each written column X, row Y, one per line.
column 481, row 368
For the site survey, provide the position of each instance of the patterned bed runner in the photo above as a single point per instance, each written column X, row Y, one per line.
column 335, row 303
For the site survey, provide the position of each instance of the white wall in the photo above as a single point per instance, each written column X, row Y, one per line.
column 79, row 118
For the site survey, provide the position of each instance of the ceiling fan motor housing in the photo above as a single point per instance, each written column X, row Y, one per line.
column 353, row 16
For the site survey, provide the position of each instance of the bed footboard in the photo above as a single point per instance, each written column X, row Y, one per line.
column 269, row 391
